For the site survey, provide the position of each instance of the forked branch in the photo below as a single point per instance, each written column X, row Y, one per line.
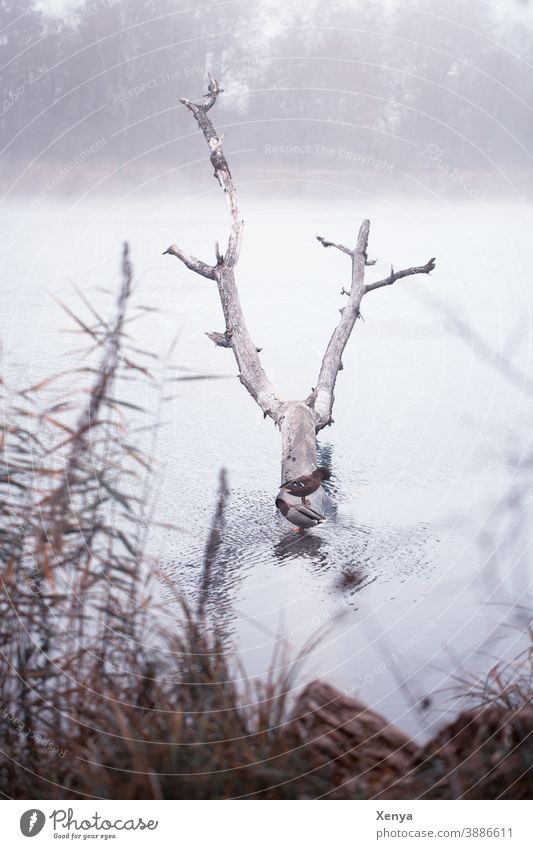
column 331, row 364
column 322, row 397
column 298, row 421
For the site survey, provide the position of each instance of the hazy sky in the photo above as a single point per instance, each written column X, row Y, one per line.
column 58, row 7
column 520, row 8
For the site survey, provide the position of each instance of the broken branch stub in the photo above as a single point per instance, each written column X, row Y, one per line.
column 298, row 421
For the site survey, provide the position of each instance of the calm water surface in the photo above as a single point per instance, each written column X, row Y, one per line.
column 426, row 441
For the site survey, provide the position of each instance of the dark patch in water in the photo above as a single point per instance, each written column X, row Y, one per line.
column 340, row 555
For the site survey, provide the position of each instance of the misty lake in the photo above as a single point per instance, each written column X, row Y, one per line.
column 427, row 438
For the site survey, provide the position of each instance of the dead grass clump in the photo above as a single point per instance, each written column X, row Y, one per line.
column 97, row 698
column 484, row 754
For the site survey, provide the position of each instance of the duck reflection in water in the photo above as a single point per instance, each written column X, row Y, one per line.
column 308, row 546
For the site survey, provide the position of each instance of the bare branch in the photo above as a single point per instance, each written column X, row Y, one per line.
column 331, row 363
column 236, row 335
column 298, row 421
column 322, row 398
column 191, row 262
column 327, row 244
column 397, row 275
column 213, row 90
column 221, row 167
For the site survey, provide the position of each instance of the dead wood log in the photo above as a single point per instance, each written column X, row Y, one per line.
column 298, row 421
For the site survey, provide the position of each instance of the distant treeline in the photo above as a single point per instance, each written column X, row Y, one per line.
column 378, row 85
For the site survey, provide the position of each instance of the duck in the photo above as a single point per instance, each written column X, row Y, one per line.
column 306, row 484
column 300, row 515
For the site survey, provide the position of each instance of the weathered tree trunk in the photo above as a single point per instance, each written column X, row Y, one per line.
column 298, row 421
column 298, row 440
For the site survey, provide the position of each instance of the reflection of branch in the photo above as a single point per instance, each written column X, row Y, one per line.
column 213, row 543
column 506, row 367
column 489, row 355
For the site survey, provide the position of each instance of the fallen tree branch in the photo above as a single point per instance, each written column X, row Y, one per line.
column 298, row 421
